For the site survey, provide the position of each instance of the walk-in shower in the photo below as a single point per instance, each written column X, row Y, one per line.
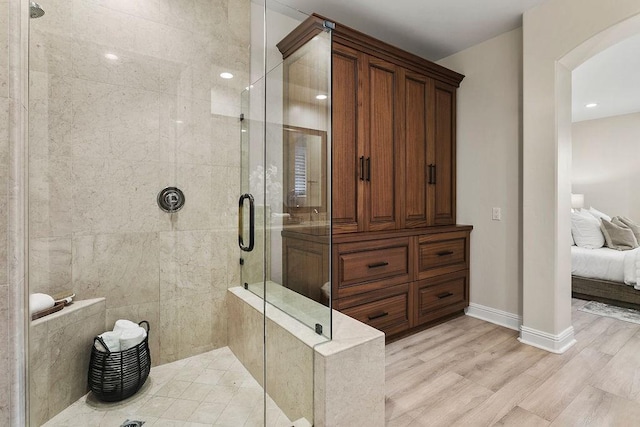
column 147, row 122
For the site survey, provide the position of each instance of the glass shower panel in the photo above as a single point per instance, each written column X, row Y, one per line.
column 298, row 158
column 251, row 230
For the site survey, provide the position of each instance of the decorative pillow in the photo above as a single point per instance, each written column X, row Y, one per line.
column 634, row 226
column 585, row 229
column 618, row 236
column 599, row 215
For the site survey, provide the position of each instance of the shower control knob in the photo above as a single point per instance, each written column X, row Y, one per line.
column 171, row 199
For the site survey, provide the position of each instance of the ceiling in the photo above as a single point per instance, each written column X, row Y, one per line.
column 611, row 79
column 432, row 29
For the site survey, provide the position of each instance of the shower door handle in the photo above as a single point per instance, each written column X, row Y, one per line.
column 252, row 222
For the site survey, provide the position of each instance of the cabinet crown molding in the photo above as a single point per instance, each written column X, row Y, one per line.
column 347, row 36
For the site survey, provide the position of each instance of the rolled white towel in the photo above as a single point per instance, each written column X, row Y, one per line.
column 39, row 302
column 132, row 337
column 123, row 324
column 111, row 339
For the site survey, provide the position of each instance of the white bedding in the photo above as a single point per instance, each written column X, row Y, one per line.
column 607, row 264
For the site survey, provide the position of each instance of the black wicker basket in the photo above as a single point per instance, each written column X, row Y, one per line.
column 117, row 375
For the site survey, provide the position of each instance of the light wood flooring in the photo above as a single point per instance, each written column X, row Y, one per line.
column 468, row 372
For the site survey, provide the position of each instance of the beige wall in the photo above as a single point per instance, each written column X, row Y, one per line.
column 488, row 166
column 551, row 31
column 107, row 135
column 605, row 163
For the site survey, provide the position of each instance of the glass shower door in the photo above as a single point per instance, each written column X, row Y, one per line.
column 284, row 228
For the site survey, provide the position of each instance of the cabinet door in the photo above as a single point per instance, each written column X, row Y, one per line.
column 417, row 136
column 348, row 179
column 381, row 121
column 442, row 195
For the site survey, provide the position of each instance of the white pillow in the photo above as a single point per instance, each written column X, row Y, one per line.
column 585, row 229
column 597, row 214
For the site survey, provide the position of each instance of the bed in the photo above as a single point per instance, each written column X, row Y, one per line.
column 606, row 275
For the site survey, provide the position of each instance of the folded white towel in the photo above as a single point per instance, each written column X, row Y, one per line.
column 132, row 337
column 39, row 302
column 123, row 324
column 111, row 339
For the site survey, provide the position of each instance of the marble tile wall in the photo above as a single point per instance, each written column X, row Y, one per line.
column 59, row 355
column 12, row 274
column 330, row 383
column 106, row 135
column 4, row 175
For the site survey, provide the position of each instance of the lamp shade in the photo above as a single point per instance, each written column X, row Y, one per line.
column 577, row 201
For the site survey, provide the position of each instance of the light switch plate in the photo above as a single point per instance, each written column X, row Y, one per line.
column 496, row 214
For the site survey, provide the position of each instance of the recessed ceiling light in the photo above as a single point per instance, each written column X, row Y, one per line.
column 179, row 121
column 321, row 97
column 111, row 56
column 226, row 75
column 243, row 130
column 591, row 105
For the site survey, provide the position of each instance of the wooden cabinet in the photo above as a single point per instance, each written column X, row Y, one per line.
column 366, row 144
column 389, row 310
column 440, row 296
column 442, row 253
column 442, row 158
column 348, row 181
column 398, row 259
column 398, row 170
column 367, row 266
column 305, row 263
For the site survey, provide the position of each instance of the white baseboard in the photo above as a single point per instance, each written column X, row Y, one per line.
column 545, row 341
column 499, row 317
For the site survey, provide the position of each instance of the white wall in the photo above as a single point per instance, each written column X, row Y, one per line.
column 488, row 166
column 605, row 163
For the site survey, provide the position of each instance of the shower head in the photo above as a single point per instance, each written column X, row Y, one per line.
column 35, row 11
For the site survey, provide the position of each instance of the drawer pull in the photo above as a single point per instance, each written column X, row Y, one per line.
column 378, row 264
column 444, row 295
column 445, row 253
column 377, row 316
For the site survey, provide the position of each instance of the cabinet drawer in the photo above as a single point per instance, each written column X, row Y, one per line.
column 368, row 266
column 390, row 314
column 440, row 296
column 442, row 253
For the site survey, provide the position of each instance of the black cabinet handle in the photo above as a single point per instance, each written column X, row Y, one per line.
column 444, row 295
column 368, row 168
column 430, row 174
column 377, row 316
column 361, row 168
column 445, row 253
column 378, row 264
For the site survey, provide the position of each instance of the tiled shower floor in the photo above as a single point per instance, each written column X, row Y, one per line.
column 211, row 389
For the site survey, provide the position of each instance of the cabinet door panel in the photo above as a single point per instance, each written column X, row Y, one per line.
column 443, row 210
column 346, row 207
column 380, row 124
column 416, row 139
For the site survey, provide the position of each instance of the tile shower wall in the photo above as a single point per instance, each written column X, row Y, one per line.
column 12, row 111
column 4, row 189
column 107, row 133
